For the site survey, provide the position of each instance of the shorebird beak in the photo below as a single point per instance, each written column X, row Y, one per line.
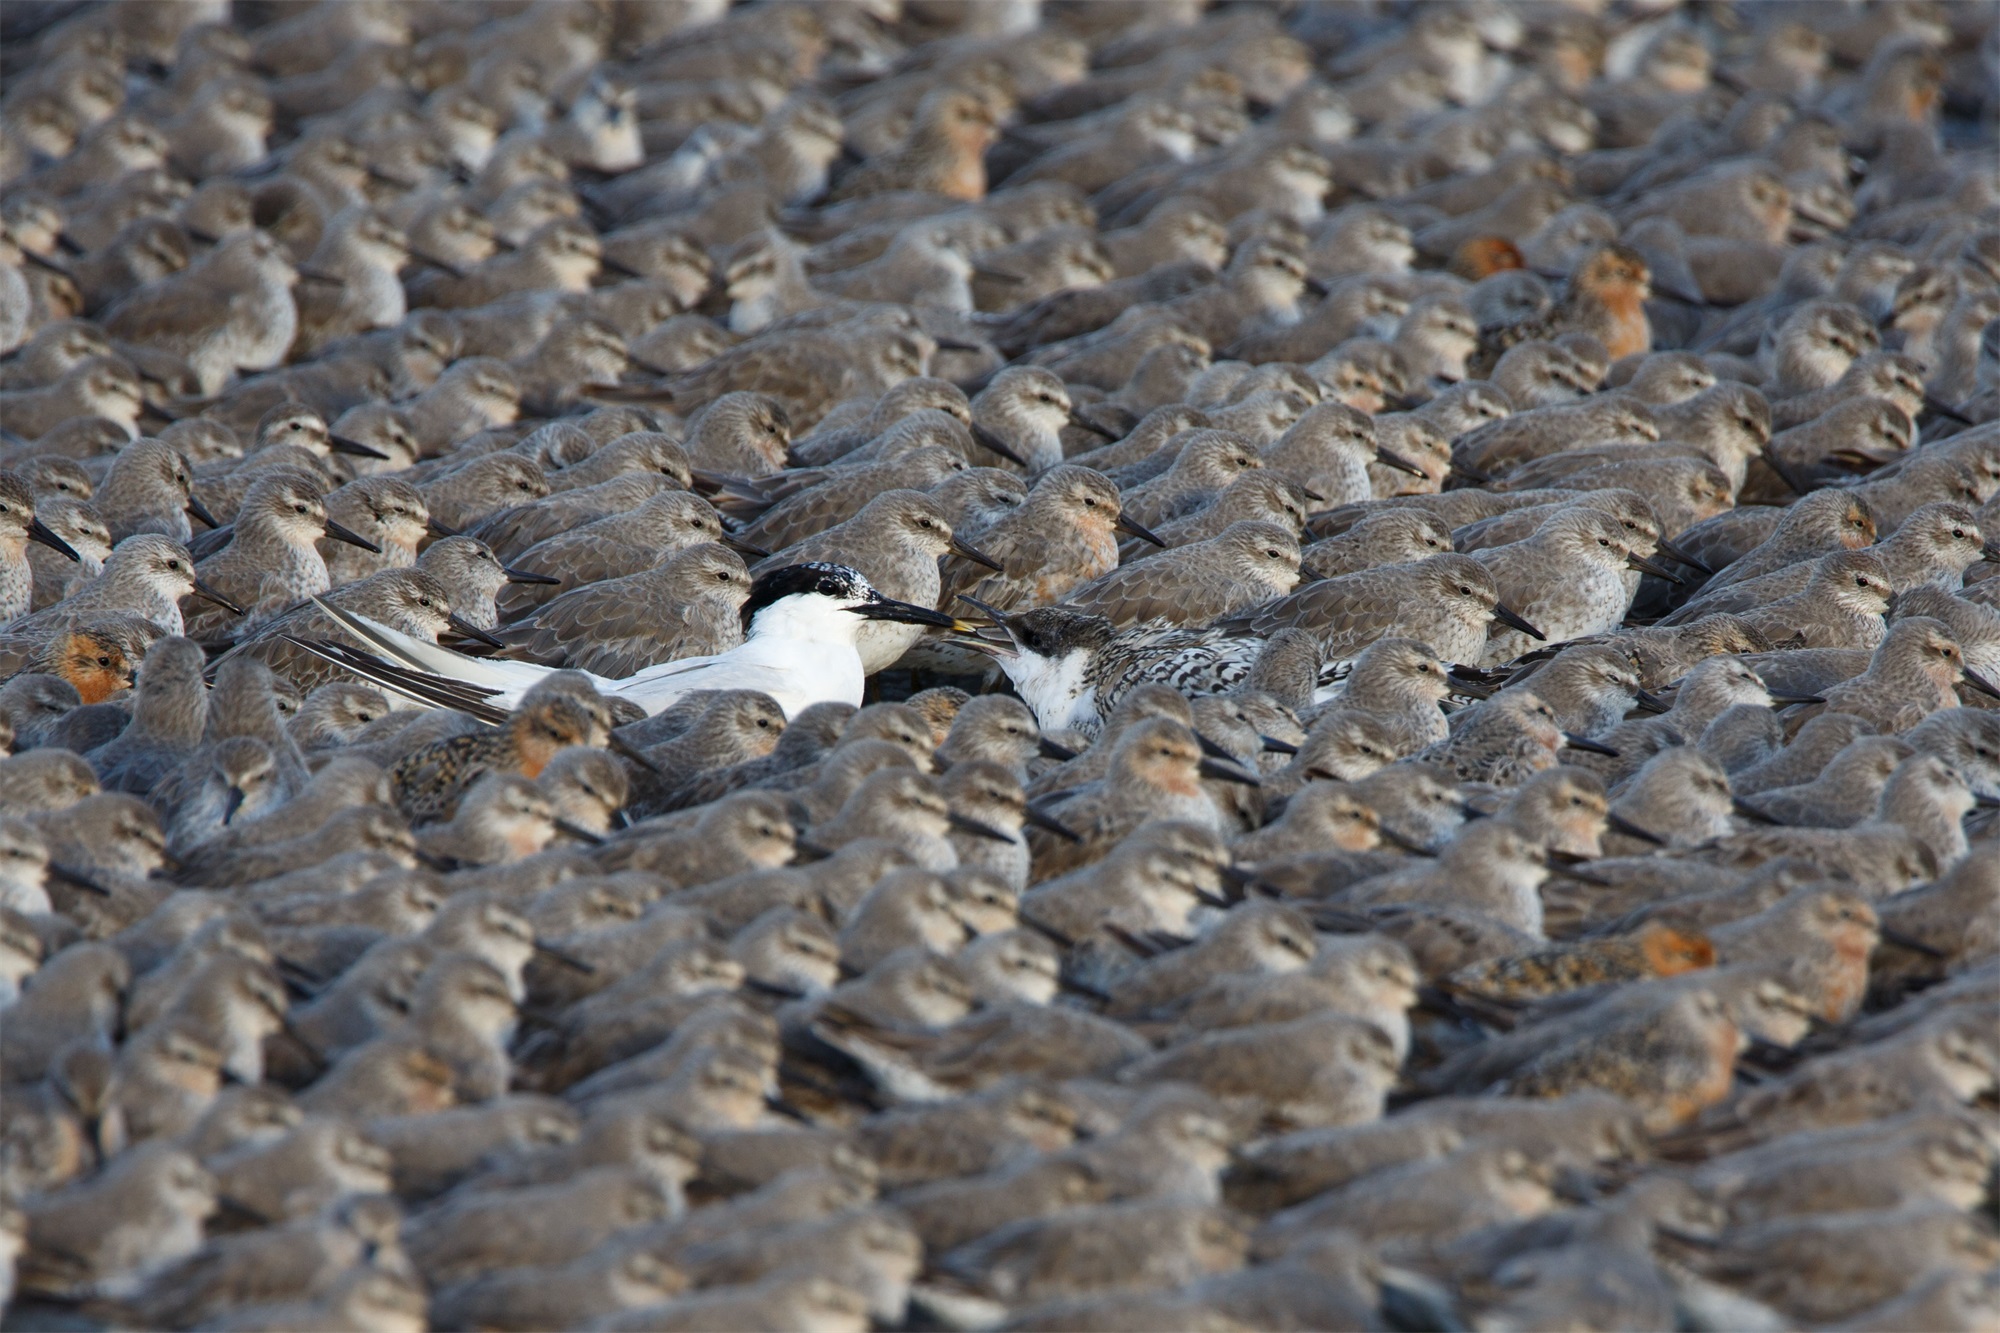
column 81, row 879
column 206, row 593
column 465, row 629
column 309, row 274
column 908, row 613
column 1272, row 745
column 1783, row 470
column 1050, row 824
column 232, row 803
column 570, row 828
column 1784, row 699
column 1749, row 811
column 68, row 244
column 741, row 547
column 200, row 511
column 1653, row 567
column 1576, row 742
column 434, row 261
column 1390, row 458
column 1401, row 843
column 979, row 828
column 1672, row 287
column 805, row 849
column 351, row 537
column 974, row 554
column 1618, row 823
column 1082, row 422
column 1910, row 942
column 566, row 958
column 343, row 445
column 623, row 270
column 1980, row 683
column 989, row 441
column 618, row 745
column 958, row 345
column 1938, row 407
column 1223, row 770
column 1132, row 528
column 1651, row 702
column 1673, row 552
column 1990, row 553
column 1055, row 750
column 1506, row 615
column 526, row 576
column 39, row 531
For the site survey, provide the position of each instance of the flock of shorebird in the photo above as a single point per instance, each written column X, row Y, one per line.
column 1083, row 664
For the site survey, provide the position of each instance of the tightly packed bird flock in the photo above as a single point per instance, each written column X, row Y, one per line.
column 960, row 664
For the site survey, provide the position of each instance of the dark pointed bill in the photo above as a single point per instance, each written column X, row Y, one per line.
column 1618, row 823
column 979, row 828
column 465, row 629
column 528, row 576
column 39, row 531
column 994, row 444
column 1050, row 824
column 344, row 445
column 1653, row 567
column 1223, row 770
column 200, row 511
column 974, row 554
column 206, row 593
column 1390, row 458
column 908, row 613
column 1506, row 615
column 1576, row 742
column 351, row 537
column 1980, row 683
column 1680, row 553
column 1084, row 423
column 1131, row 528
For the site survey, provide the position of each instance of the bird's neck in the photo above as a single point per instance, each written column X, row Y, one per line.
column 810, row 619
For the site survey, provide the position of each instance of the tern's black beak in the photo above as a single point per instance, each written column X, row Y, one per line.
column 974, row 554
column 351, row 537
column 1506, row 615
column 1132, row 529
column 908, row 613
column 39, row 531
